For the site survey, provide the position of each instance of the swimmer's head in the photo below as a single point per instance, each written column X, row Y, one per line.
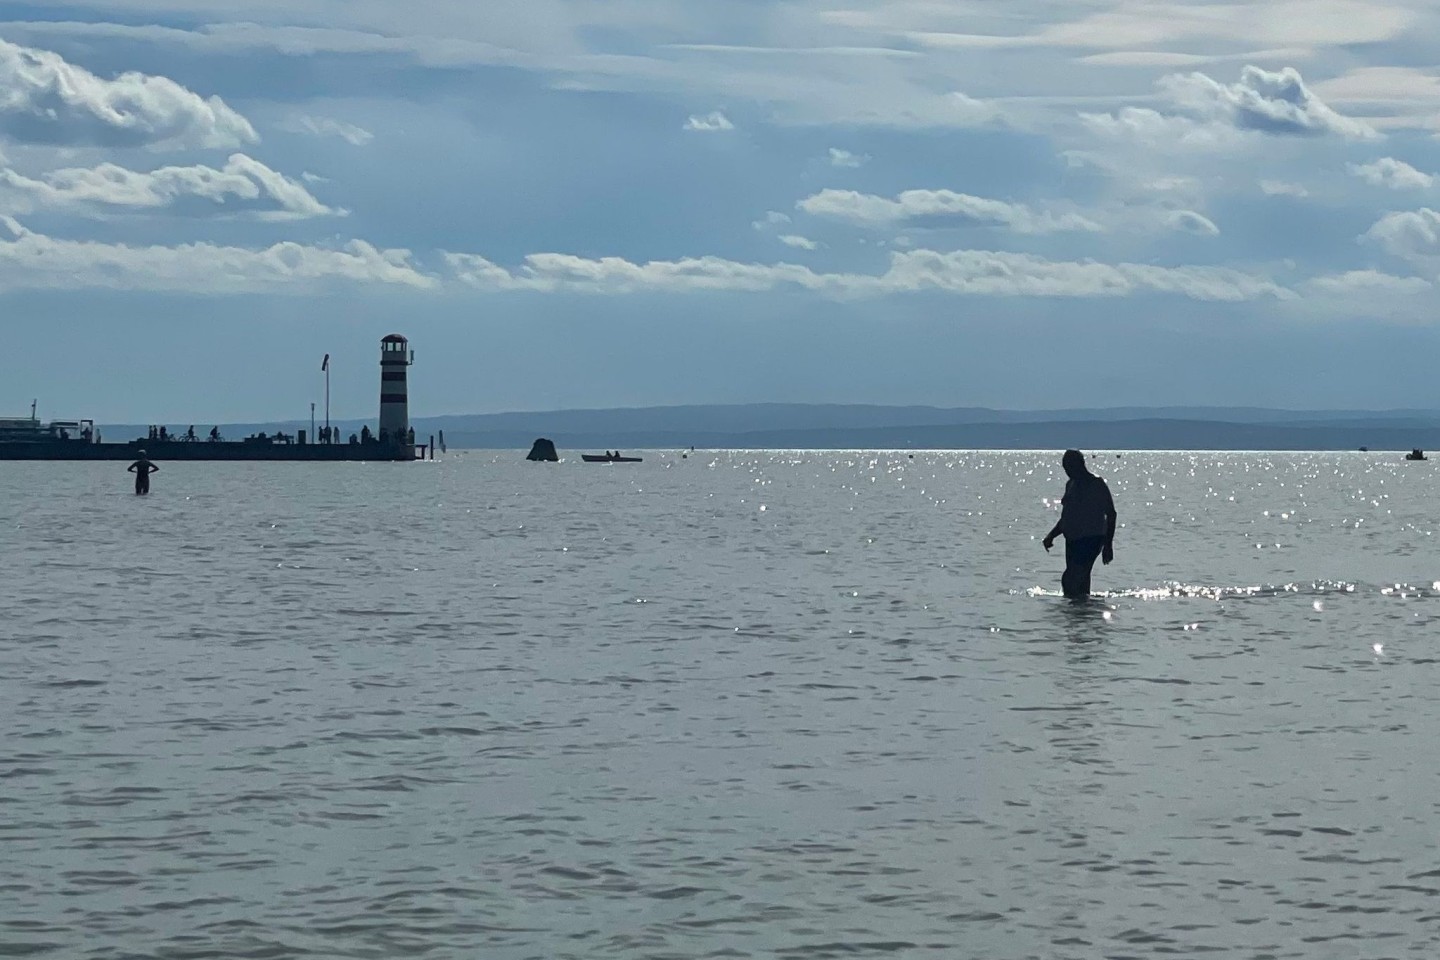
column 141, row 452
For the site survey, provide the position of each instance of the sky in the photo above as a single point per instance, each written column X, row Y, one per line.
column 570, row 203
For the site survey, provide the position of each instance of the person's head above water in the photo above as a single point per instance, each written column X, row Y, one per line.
column 1074, row 464
column 140, row 452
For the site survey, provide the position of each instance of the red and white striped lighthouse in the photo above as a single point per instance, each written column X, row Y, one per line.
column 395, row 359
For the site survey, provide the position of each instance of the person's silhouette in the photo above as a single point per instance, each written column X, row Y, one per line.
column 142, row 469
column 1087, row 521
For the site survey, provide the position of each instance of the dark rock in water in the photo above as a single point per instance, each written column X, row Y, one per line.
column 543, row 450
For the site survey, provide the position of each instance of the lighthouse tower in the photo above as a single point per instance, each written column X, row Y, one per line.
column 395, row 357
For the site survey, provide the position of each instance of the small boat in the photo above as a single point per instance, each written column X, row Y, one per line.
column 1415, row 455
column 608, row 458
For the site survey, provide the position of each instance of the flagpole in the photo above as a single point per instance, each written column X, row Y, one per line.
column 326, row 367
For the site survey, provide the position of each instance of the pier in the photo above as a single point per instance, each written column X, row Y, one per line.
column 28, row 438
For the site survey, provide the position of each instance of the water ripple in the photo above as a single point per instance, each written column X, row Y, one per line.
column 485, row 709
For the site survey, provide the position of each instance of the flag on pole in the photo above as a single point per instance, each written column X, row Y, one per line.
column 325, row 364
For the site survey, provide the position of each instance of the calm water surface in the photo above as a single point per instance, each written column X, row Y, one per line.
column 745, row 704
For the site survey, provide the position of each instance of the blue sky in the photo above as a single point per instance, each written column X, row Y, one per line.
column 569, row 203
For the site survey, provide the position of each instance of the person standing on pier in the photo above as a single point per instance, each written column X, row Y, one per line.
column 142, row 469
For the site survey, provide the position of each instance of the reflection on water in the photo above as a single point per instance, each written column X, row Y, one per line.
column 793, row 704
column 1168, row 591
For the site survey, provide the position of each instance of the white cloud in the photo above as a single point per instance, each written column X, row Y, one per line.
column 34, row 261
column 714, row 122
column 296, row 40
column 869, row 83
column 1275, row 102
column 880, row 62
column 1283, row 188
column 773, row 219
column 243, row 185
column 946, row 205
column 844, row 158
column 1412, row 235
column 855, row 29
column 1393, row 98
column 1152, row 24
column 1188, row 221
column 1392, row 173
column 986, row 272
column 44, row 99
column 1383, row 84
column 328, row 127
column 556, row 271
column 1170, row 58
column 1172, row 185
column 961, row 272
column 801, row 243
column 1160, row 131
column 1301, row 23
column 971, row 112
column 1144, row 58
column 1216, row 116
column 1365, row 283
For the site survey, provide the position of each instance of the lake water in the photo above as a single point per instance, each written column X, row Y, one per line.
column 739, row 704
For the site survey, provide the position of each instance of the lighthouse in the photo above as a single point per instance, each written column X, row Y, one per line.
column 395, row 358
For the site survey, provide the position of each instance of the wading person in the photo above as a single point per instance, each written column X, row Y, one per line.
column 142, row 469
column 1087, row 522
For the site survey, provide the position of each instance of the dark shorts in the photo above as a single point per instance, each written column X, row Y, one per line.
column 142, row 483
column 1080, row 556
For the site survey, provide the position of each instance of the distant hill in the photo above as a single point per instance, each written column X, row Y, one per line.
column 826, row 426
